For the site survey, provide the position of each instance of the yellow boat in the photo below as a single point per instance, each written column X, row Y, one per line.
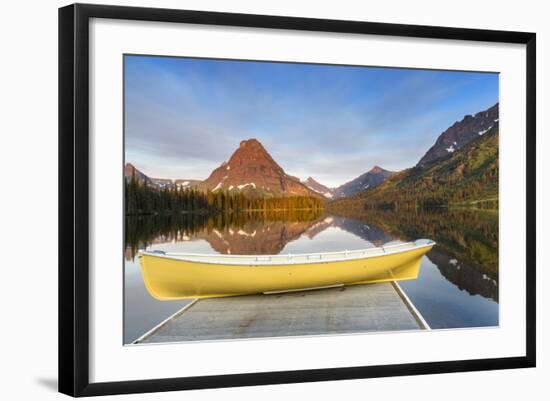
column 171, row 276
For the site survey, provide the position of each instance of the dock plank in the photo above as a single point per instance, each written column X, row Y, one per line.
column 353, row 309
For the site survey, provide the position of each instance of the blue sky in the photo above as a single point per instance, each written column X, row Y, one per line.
column 184, row 116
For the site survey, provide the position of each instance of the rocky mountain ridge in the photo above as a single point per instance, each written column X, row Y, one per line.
column 314, row 185
column 131, row 171
column 369, row 180
column 461, row 133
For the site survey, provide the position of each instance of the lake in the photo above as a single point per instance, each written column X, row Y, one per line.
column 457, row 286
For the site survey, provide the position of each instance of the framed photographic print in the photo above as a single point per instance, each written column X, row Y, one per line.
column 279, row 199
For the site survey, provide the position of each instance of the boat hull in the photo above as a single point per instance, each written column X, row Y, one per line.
column 171, row 279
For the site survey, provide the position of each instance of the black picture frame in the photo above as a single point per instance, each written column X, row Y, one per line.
column 74, row 198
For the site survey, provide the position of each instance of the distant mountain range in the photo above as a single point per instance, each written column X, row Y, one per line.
column 250, row 170
column 318, row 187
column 369, row 180
column 467, row 174
column 160, row 183
column 451, row 164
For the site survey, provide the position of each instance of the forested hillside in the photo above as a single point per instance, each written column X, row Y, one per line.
column 468, row 176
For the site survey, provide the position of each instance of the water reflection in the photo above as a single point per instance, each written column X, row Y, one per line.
column 465, row 276
column 250, row 233
column 469, row 236
column 457, row 286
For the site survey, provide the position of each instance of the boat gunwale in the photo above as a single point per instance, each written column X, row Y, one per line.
column 346, row 256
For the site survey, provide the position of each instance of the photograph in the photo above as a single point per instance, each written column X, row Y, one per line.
column 268, row 199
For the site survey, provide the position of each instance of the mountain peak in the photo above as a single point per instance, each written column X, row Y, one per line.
column 468, row 176
column 131, row 171
column 376, row 169
column 251, row 146
column 252, row 169
column 252, row 142
column 461, row 133
column 315, row 186
column 252, row 153
column 372, row 178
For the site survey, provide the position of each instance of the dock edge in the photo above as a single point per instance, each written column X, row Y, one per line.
column 158, row 326
column 415, row 312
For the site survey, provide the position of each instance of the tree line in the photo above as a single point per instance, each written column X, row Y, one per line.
column 141, row 198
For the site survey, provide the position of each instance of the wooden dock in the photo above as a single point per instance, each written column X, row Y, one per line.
column 352, row 309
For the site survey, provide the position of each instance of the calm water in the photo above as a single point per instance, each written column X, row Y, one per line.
column 457, row 285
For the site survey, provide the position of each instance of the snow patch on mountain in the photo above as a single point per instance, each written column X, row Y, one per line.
column 485, row 130
column 325, row 194
column 242, row 232
column 245, row 185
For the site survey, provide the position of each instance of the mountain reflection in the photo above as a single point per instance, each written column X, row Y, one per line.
column 249, row 233
column 369, row 232
column 466, row 253
column 256, row 237
column 469, row 236
column 465, row 276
